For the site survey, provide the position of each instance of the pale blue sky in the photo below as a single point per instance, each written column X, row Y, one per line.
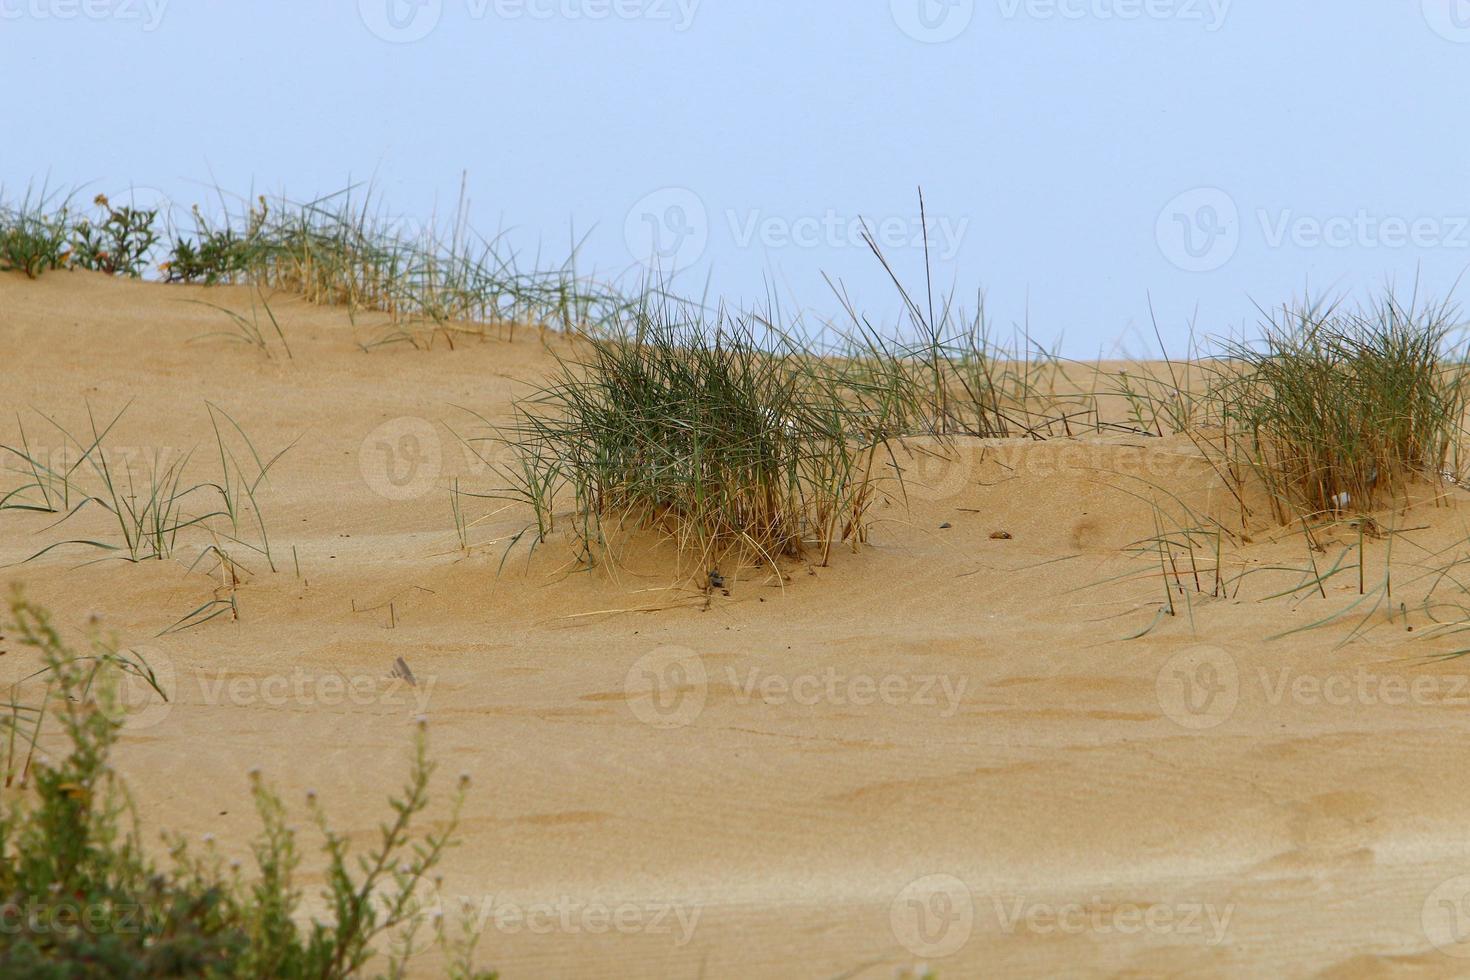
column 1077, row 155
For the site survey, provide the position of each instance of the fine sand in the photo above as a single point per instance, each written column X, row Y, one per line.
column 942, row 749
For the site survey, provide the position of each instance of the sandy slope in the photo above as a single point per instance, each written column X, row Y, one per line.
column 939, row 750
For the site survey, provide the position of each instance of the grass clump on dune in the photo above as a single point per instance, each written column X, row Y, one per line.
column 80, row 896
column 341, row 250
column 150, row 497
column 965, row 380
column 722, row 432
column 212, row 256
column 34, row 236
column 41, row 234
column 338, row 249
column 1339, row 411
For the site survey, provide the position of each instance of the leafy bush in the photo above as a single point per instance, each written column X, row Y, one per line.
column 80, row 896
column 37, row 237
column 214, row 255
column 119, row 243
column 215, row 258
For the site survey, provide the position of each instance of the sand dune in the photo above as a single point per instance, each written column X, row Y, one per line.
column 942, row 749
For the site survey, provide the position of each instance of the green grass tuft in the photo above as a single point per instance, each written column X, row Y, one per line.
column 1337, row 411
column 722, row 432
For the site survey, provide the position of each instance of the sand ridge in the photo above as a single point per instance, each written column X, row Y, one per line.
column 941, row 749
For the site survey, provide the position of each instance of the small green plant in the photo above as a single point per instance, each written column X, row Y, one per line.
column 34, row 237
column 81, row 896
column 119, row 243
column 152, row 498
column 243, row 470
column 210, row 262
column 250, row 331
column 50, row 487
column 214, row 255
